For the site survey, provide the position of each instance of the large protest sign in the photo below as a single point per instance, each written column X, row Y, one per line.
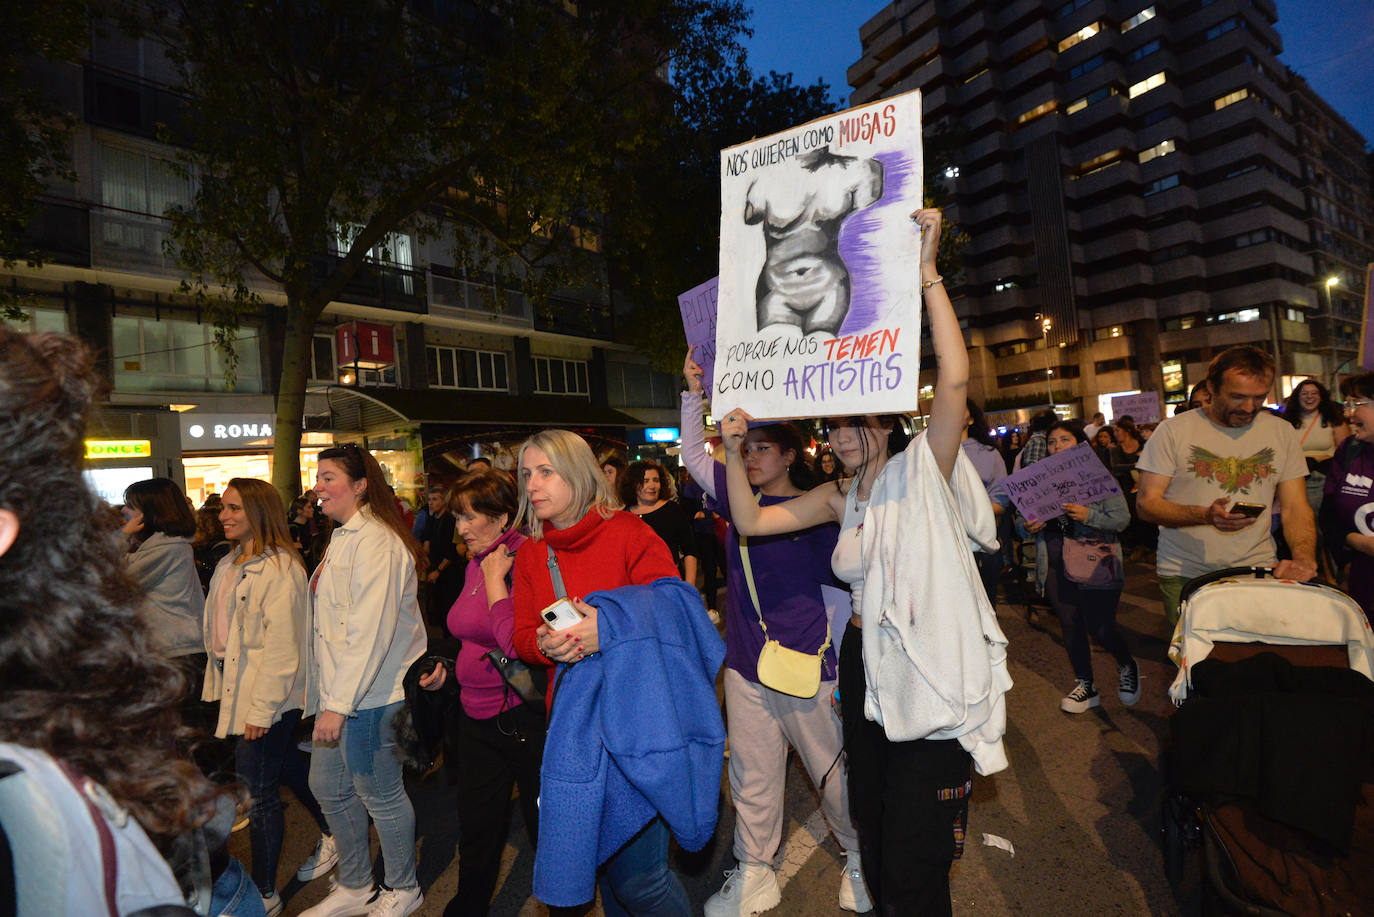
column 1074, row 475
column 698, row 307
column 819, row 310
column 1142, row 407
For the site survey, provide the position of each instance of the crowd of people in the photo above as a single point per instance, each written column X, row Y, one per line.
column 859, row 629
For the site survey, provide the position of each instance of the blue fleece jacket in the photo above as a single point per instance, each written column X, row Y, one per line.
column 635, row 732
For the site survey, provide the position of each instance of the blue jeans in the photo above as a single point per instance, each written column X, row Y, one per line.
column 636, row 880
column 234, row 894
column 359, row 776
column 264, row 765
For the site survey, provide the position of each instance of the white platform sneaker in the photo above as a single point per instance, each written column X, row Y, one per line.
column 749, row 889
column 853, row 891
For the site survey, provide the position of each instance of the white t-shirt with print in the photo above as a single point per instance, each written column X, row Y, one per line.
column 1206, row 462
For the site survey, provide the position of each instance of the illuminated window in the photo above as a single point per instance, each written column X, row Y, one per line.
column 1044, row 108
column 1098, row 163
column 1231, row 98
column 1096, row 96
column 1139, row 18
column 1145, row 85
column 1083, row 34
column 1163, row 148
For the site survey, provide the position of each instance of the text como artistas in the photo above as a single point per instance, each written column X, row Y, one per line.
column 859, row 363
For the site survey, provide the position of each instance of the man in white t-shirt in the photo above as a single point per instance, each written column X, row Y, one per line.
column 1099, row 421
column 1199, row 464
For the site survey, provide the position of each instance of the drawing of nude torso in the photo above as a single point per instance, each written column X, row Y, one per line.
column 804, row 281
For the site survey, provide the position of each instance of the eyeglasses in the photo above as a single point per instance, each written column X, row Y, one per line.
column 1352, row 405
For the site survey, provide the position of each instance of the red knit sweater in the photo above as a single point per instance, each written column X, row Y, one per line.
column 594, row 554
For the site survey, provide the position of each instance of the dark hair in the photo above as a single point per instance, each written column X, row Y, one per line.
column 1131, row 429
column 898, row 438
column 788, row 439
column 818, row 468
column 481, row 458
column 615, row 461
column 163, row 506
column 1330, row 412
column 628, row 483
column 1073, row 427
column 208, row 528
column 978, row 423
column 1358, row 386
column 79, row 679
column 490, row 493
column 358, row 464
column 297, row 505
column 1041, row 421
column 1248, row 360
column 1108, row 429
column 1200, row 388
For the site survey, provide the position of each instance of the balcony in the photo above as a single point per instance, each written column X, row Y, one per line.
column 451, row 297
column 133, row 106
column 385, row 286
column 125, row 241
column 62, row 233
column 575, row 318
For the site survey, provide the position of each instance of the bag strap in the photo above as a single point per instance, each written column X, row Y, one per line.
column 1316, row 416
column 108, row 859
column 754, row 592
column 556, row 575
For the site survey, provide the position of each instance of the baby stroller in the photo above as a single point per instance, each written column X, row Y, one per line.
column 1270, row 771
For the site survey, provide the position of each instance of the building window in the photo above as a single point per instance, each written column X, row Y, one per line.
column 178, row 356
column 1139, row 18
column 1226, row 25
column 1230, row 98
column 36, row 320
column 1163, row 148
column 1097, row 95
column 1098, row 163
column 553, row 376
column 1088, row 66
column 1044, row 108
column 1153, row 81
column 1068, row 8
column 1083, row 34
column 395, row 250
column 136, row 190
column 324, row 366
column 1162, row 184
column 1145, row 50
column 1156, row 115
column 460, row 367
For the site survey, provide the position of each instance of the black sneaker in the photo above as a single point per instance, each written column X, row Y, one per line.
column 1081, row 699
column 1130, row 683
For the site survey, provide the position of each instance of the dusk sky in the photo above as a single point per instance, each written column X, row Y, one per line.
column 1330, row 42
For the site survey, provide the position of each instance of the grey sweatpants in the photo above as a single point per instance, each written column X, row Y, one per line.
column 762, row 723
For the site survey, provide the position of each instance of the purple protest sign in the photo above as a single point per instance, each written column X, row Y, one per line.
column 1074, row 475
column 698, row 307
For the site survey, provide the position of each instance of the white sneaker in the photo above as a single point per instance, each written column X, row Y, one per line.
column 343, row 901
column 396, row 902
column 853, row 891
column 272, row 904
column 324, row 858
column 748, row 889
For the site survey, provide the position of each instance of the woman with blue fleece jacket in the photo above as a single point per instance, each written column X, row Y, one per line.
column 635, row 738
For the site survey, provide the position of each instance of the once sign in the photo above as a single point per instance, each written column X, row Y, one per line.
column 118, row 448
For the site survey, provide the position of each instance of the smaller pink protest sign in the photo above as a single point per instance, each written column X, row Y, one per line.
column 698, row 307
column 1074, row 475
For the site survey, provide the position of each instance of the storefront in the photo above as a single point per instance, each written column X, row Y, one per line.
column 128, row 445
column 218, row 447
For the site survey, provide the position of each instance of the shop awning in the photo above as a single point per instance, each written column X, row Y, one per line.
column 376, row 410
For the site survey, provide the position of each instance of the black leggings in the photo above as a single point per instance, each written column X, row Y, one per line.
column 909, row 802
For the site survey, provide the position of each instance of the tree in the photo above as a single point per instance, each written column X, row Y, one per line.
column 318, row 128
column 34, row 131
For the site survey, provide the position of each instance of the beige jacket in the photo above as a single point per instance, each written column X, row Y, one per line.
column 265, row 657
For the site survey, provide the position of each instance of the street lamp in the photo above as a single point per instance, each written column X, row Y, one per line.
column 1045, row 326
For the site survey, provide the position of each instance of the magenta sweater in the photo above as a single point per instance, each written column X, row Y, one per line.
column 483, row 628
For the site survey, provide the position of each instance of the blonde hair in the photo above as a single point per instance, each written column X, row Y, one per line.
column 573, row 461
column 266, row 516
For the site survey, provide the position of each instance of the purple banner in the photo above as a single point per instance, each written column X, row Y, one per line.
column 1074, row 475
column 698, row 307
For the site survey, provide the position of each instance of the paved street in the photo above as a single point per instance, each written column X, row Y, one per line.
column 1079, row 803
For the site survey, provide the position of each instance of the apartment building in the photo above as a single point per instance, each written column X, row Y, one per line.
column 429, row 365
column 1132, row 182
column 1340, row 223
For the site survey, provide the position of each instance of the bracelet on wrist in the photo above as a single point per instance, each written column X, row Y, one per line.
column 927, row 284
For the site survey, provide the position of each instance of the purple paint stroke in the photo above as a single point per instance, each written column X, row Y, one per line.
column 866, row 305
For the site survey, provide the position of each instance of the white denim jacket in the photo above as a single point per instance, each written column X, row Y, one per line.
column 367, row 624
column 265, row 655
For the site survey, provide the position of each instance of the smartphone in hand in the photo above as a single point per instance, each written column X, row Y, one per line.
column 561, row 615
column 1252, row 510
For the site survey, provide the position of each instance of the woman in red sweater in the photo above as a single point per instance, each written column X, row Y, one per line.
column 571, row 511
